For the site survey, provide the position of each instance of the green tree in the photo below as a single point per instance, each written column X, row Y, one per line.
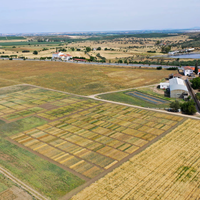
column 88, row 49
column 175, row 105
column 99, row 49
column 188, row 107
column 166, row 49
column 35, row 52
column 195, row 83
column 196, row 68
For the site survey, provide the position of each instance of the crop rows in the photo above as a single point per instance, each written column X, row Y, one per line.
column 92, row 136
column 169, row 169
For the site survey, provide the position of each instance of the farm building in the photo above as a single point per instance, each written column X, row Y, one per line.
column 188, row 71
column 62, row 56
column 164, row 85
column 178, row 88
column 175, row 76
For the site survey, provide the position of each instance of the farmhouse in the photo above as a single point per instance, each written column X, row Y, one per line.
column 62, row 56
column 178, row 88
column 188, row 71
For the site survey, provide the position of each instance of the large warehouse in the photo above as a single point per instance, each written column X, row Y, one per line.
column 178, row 88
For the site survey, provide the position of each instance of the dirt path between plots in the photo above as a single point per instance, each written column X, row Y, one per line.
column 80, row 188
column 33, row 192
column 124, row 104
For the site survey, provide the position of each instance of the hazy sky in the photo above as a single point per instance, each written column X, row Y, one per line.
column 96, row 15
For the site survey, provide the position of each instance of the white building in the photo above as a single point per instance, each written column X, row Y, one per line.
column 164, row 85
column 62, row 56
column 188, row 70
column 178, row 88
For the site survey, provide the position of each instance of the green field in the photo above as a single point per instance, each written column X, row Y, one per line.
column 125, row 98
column 5, row 183
column 12, row 38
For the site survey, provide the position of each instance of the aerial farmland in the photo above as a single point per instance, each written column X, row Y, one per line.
column 85, row 131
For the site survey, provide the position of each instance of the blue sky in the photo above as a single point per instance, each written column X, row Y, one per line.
column 91, row 15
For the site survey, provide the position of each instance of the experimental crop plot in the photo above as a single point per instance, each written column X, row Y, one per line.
column 84, row 135
column 168, row 169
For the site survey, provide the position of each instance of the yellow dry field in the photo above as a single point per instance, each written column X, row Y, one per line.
column 77, row 78
column 126, row 42
column 169, row 169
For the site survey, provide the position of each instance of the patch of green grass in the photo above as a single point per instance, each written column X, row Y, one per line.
column 185, row 173
column 47, row 178
column 14, row 88
column 5, row 183
column 24, row 124
column 125, row 98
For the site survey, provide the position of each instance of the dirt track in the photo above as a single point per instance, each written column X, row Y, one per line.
column 33, row 192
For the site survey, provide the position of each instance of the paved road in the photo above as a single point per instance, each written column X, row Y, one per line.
column 33, row 192
column 96, row 63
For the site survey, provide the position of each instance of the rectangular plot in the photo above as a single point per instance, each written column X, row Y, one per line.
column 72, row 161
column 91, row 173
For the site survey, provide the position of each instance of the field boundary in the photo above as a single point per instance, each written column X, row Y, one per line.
column 22, row 185
column 78, row 189
column 115, row 102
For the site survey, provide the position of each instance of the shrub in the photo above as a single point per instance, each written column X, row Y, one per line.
column 159, row 68
column 172, row 68
column 35, row 52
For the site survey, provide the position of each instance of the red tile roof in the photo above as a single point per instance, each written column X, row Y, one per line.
column 188, row 67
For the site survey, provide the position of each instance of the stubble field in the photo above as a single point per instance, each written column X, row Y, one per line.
column 76, row 78
column 169, row 169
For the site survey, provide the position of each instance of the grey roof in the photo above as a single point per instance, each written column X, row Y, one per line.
column 177, row 84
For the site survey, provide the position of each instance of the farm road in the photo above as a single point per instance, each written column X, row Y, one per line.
column 124, row 104
column 33, row 192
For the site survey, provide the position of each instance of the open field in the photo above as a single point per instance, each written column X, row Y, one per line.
column 76, row 78
column 10, row 191
column 150, row 97
column 142, row 47
column 169, row 169
column 126, row 97
column 85, row 138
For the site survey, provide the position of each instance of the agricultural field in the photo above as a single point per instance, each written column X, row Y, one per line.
column 168, row 169
column 9, row 190
column 72, row 136
column 135, row 97
column 139, row 47
column 149, row 96
column 76, row 78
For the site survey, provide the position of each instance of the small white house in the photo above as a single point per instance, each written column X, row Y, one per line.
column 62, row 56
column 188, row 70
column 164, row 85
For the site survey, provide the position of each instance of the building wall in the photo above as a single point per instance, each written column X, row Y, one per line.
column 188, row 72
column 177, row 93
column 164, row 86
